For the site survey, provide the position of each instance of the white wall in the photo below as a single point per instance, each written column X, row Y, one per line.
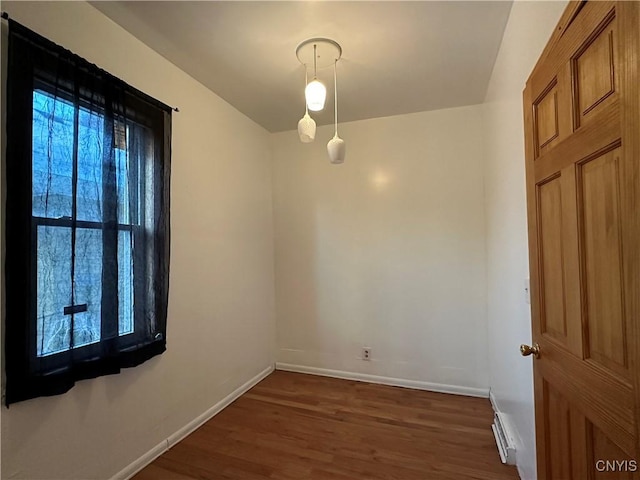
column 386, row 250
column 221, row 306
column 528, row 30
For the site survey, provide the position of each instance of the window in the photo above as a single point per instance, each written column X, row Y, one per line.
column 87, row 227
column 54, row 137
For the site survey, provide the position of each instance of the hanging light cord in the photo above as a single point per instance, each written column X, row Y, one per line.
column 315, row 70
column 335, row 87
column 306, row 82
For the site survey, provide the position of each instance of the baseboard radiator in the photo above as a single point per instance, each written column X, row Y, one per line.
column 506, row 445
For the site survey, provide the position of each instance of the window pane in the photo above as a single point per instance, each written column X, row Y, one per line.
column 125, row 283
column 88, row 286
column 53, row 139
column 123, row 180
column 90, row 142
column 54, row 288
column 53, row 132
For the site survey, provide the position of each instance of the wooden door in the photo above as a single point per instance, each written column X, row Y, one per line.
column 582, row 130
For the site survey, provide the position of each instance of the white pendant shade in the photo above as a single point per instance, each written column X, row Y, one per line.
column 337, row 149
column 315, row 94
column 307, row 129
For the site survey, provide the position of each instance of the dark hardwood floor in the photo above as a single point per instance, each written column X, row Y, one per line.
column 294, row 426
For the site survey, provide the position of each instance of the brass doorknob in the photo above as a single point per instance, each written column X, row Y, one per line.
column 526, row 350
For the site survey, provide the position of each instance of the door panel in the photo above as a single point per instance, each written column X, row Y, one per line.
column 594, row 70
column 605, row 332
column 601, row 450
column 558, row 423
column 546, row 117
column 583, row 197
column 553, row 321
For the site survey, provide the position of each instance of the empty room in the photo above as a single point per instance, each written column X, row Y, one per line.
column 320, row 240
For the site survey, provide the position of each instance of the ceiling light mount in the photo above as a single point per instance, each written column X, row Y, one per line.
column 327, row 51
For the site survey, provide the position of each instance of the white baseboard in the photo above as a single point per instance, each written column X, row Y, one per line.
column 134, row 467
column 396, row 382
column 137, row 465
column 494, row 402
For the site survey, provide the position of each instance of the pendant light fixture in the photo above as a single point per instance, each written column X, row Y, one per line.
column 323, row 52
column 306, row 125
column 336, row 147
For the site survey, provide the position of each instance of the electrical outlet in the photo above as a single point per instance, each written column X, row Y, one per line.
column 366, row 353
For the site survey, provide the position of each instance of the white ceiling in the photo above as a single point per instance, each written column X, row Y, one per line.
column 398, row 57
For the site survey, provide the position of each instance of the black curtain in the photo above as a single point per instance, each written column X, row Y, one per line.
column 87, row 220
